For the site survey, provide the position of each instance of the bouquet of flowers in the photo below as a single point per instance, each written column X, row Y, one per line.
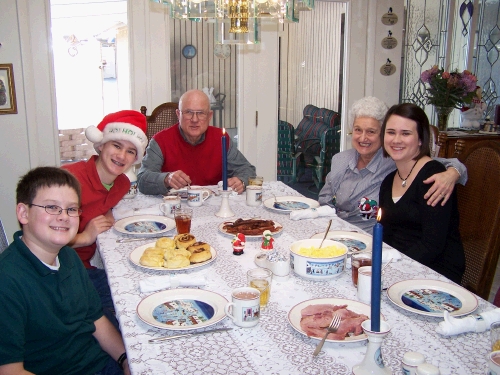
column 449, row 89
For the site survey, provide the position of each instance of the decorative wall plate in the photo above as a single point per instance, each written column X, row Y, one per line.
column 222, row 51
column 189, row 51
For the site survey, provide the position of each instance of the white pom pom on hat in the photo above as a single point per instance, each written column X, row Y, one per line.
column 126, row 125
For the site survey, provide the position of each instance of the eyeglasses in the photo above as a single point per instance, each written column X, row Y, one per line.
column 188, row 115
column 56, row 210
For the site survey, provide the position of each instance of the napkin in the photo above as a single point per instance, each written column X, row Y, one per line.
column 312, row 213
column 121, row 212
column 154, row 283
column 473, row 323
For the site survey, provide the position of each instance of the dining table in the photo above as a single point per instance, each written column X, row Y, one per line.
column 273, row 346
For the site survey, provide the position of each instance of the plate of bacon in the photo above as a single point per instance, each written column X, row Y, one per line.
column 312, row 317
column 251, row 228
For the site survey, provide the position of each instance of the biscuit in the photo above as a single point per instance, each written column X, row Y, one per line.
column 165, row 243
column 178, row 261
column 184, row 240
column 153, row 251
column 151, row 260
column 171, row 253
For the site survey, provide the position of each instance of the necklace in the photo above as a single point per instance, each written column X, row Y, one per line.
column 403, row 184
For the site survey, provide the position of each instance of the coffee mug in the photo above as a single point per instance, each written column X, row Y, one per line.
column 254, row 195
column 494, row 363
column 365, row 284
column 244, row 310
column 197, row 195
column 169, row 205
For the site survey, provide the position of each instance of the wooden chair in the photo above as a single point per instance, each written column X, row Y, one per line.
column 479, row 207
column 434, row 141
column 288, row 157
column 164, row 116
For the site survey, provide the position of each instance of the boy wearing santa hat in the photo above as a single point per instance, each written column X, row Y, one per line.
column 120, row 140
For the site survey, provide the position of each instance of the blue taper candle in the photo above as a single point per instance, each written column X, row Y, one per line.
column 378, row 231
column 224, row 160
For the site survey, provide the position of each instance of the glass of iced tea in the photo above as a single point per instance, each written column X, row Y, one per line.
column 183, row 218
column 260, row 278
column 495, row 336
column 359, row 260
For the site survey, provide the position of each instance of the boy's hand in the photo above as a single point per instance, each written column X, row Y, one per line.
column 96, row 226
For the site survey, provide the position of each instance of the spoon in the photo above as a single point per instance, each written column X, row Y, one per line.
column 389, row 262
column 326, row 233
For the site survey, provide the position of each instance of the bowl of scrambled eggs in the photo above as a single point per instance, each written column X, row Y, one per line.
column 311, row 262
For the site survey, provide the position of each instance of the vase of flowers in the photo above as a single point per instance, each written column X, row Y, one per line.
column 448, row 90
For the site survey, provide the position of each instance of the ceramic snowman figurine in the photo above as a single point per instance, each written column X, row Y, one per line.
column 267, row 240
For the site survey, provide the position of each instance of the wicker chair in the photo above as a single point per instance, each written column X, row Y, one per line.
column 479, row 207
column 163, row 116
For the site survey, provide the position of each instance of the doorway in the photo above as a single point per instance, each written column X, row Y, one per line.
column 90, row 49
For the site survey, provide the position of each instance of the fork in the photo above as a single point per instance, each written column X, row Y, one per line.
column 333, row 327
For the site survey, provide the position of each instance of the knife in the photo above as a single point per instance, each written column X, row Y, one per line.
column 188, row 334
column 123, row 240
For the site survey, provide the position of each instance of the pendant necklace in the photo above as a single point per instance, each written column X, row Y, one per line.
column 403, row 184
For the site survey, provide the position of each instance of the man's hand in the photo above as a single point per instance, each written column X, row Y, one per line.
column 443, row 185
column 177, row 180
column 236, row 184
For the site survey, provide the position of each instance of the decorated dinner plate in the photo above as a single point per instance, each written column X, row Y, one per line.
column 183, row 194
column 290, row 203
column 353, row 240
column 295, row 316
column 182, row 309
column 432, row 297
column 136, row 254
column 278, row 229
column 145, row 225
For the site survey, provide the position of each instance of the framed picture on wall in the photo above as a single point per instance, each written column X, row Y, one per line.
column 7, row 90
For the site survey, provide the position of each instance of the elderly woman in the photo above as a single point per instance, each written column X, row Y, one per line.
column 353, row 184
column 427, row 234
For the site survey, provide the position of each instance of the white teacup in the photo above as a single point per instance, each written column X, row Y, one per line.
column 365, row 284
column 197, row 195
column 494, row 363
column 254, row 195
column 244, row 310
column 169, row 205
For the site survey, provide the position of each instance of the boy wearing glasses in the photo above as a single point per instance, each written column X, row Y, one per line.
column 51, row 318
column 120, row 140
column 190, row 152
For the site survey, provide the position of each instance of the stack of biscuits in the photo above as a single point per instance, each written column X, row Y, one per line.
column 179, row 252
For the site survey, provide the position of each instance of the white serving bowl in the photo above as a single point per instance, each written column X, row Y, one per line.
column 317, row 268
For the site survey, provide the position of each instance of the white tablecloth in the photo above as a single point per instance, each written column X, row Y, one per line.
column 273, row 346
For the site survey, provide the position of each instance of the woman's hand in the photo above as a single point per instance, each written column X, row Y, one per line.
column 442, row 188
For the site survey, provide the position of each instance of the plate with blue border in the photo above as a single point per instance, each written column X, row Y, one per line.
column 432, row 297
column 353, row 240
column 145, row 225
column 182, row 309
column 288, row 204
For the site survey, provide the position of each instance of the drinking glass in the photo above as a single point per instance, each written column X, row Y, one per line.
column 260, row 278
column 495, row 336
column 183, row 218
column 359, row 260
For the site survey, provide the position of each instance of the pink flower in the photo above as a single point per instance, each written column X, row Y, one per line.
column 445, row 75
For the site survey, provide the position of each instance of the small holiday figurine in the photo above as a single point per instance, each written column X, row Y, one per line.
column 267, row 240
column 238, row 244
column 368, row 208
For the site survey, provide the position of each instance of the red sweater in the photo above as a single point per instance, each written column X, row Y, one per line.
column 201, row 162
column 96, row 200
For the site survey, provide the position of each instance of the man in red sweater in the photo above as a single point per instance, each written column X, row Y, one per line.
column 190, row 152
column 120, row 141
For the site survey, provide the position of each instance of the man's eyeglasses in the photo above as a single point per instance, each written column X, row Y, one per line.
column 56, row 210
column 188, row 115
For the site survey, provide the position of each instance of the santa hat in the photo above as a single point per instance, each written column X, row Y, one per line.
column 125, row 125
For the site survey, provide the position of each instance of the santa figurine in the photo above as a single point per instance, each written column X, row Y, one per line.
column 267, row 240
column 238, row 244
column 368, row 208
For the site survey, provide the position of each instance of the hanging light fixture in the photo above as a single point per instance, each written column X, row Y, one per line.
column 237, row 21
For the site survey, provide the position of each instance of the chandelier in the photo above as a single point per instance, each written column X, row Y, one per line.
column 237, row 21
